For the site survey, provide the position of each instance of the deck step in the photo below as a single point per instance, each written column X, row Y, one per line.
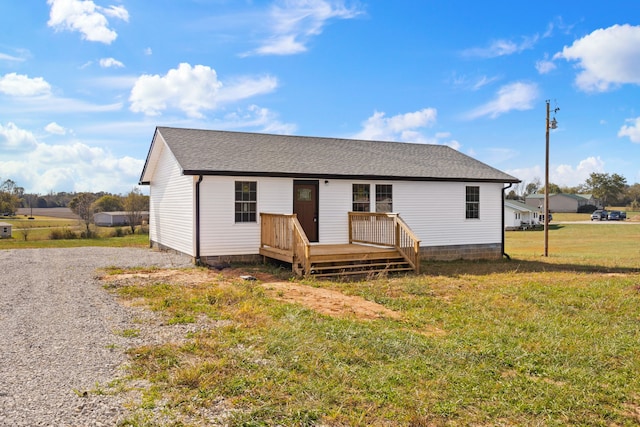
column 359, row 267
column 381, row 265
column 361, row 272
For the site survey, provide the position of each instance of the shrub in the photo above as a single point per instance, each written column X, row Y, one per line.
column 587, row 208
column 62, row 234
column 88, row 234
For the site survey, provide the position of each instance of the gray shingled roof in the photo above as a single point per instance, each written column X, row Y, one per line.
column 210, row 152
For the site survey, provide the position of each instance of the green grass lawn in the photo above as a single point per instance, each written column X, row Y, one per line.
column 39, row 229
column 531, row 341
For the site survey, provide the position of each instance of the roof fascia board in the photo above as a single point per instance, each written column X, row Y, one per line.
column 322, row 176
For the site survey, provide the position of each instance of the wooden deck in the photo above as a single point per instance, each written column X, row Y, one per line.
column 346, row 251
column 390, row 250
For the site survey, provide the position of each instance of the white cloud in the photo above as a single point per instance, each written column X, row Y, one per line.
column 259, row 118
column 483, row 81
column 472, row 83
column 55, row 105
column 502, row 48
column 545, row 66
column 73, row 166
column 563, row 175
column 607, row 57
column 192, row 90
column 572, row 176
column 55, row 128
column 514, row 96
column 85, row 17
column 14, row 139
column 6, row 57
column 294, row 22
column 20, row 85
column 116, row 12
column 110, row 63
column 405, row 128
column 148, row 51
column 632, row 130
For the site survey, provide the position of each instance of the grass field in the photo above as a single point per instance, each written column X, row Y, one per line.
column 38, row 232
column 531, row 341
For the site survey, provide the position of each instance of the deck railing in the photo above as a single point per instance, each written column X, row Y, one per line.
column 284, row 233
column 385, row 229
column 301, row 247
column 276, row 231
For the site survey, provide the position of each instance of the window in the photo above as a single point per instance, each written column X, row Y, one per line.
column 384, row 198
column 472, row 210
column 246, row 201
column 361, row 198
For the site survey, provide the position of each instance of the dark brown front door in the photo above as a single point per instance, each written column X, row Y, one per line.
column 305, row 205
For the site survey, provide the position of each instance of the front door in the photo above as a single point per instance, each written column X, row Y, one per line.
column 305, row 206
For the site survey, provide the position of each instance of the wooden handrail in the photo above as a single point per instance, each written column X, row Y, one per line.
column 408, row 243
column 385, row 229
column 301, row 246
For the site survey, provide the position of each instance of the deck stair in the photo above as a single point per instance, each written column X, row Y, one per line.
column 356, row 263
column 378, row 244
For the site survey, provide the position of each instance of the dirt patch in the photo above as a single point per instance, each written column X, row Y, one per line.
column 325, row 301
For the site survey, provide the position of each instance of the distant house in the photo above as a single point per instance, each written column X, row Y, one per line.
column 518, row 215
column 5, row 230
column 561, row 202
column 110, row 219
column 218, row 195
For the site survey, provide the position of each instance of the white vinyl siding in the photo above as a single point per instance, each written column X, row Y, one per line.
column 335, row 203
column 435, row 211
column 171, row 212
column 220, row 234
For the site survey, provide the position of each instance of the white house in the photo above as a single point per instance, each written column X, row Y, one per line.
column 110, row 219
column 208, row 190
column 518, row 215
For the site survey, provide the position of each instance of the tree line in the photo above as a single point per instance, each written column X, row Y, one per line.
column 84, row 204
column 610, row 189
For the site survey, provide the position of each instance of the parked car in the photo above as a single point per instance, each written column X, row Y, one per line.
column 614, row 216
column 599, row 215
column 623, row 215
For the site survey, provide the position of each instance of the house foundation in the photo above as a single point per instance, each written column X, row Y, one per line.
column 467, row 252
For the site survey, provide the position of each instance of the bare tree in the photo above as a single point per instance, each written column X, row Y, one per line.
column 25, row 229
column 83, row 206
column 135, row 203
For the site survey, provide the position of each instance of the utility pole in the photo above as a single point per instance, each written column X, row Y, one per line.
column 550, row 125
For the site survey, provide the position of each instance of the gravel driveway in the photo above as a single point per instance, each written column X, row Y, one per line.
column 57, row 336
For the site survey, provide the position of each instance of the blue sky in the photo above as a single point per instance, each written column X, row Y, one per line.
column 84, row 83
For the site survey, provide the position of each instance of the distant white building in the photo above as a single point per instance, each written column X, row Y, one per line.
column 562, row 202
column 5, row 230
column 110, row 219
column 518, row 215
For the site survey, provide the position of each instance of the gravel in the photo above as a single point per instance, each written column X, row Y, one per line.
column 59, row 342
